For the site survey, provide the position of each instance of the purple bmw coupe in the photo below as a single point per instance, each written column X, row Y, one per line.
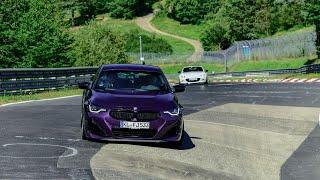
column 131, row 103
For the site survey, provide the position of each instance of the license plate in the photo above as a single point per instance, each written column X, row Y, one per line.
column 134, row 125
column 193, row 79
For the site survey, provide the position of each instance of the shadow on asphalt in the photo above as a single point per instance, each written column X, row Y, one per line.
column 186, row 144
column 304, row 163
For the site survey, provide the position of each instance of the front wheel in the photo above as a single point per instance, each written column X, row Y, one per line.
column 84, row 127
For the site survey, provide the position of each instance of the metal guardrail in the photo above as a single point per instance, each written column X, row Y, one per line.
column 313, row 68
column 45, row 72
column 19, row 81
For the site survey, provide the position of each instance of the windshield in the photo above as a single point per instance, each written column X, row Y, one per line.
column 131, row 80
column 192, row 69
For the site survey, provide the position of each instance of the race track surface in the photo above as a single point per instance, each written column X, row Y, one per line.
column 233, row 131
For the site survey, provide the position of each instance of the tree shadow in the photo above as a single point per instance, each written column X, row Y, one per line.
column 310, row 61
column 304, row 163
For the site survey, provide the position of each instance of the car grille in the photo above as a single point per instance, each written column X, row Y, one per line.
column 134, row 133
column 193, row 80
column 122, row 115
column 130, row 115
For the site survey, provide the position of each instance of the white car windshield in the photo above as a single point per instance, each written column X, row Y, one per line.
column 192, row 69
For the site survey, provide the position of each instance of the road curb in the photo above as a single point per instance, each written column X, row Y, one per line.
column 286, row 80
column 39, row 100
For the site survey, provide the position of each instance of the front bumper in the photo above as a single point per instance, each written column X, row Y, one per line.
column 197, row 81
column 103, row 127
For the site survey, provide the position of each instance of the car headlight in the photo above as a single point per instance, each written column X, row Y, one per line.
column 182, row 76
column 96, row 109
column 173, row 112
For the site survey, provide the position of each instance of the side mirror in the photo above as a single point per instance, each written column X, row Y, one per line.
column 179, row 88
column 179, row 72
column 207, row 70
column 84, row 85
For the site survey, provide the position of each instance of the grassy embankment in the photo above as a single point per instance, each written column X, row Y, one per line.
column 178, row 46
column 41, row 95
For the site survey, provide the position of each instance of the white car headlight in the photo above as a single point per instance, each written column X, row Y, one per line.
column 96, row 109
column 173, row 112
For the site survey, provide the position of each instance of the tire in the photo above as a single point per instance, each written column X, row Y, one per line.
column 84, row 125
column 178, row 144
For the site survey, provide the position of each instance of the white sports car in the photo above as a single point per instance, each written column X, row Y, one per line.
column 193, row 75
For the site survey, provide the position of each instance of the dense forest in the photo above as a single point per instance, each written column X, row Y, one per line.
column 35, row 33
column 233, row 20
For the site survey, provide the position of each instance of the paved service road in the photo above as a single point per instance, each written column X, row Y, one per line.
column 234, row 131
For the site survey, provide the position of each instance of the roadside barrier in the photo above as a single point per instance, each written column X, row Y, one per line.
column 23, row 81
column 307, row 69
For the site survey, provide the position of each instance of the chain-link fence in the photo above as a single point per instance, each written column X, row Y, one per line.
column 300, row 44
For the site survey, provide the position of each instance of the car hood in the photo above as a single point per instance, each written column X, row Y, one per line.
column 149, row 102
column 193, row 74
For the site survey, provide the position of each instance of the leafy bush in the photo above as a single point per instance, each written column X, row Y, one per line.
column 250, row 19
column 150, row 44
column 32, row 35
column 288, row 14
column 128, row 9
column 190, row 11
column 313, row 16
column 97, row 44
column 217, row 34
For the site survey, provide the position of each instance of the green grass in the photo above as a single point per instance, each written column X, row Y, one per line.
column 269, row 64
column 171, row 26
column 175, row 68
column 124, row 26
column 40, row 95
column 294, row 30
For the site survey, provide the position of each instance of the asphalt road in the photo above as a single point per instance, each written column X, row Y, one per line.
column 235, row 131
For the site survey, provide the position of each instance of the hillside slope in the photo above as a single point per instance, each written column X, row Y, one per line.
column 145, row 23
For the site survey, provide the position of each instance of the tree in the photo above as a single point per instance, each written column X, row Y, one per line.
column 185, row 11
column 287, row 14
column 215, row 33
column 190, row 11
column 238, row 20
column 151, row 44
column 88, row 9
column 32, row 35
column 96, row 44
column 128, row 9
column 313, row 10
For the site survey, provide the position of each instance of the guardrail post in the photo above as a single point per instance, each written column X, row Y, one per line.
column 238, row 52
column 225, row 62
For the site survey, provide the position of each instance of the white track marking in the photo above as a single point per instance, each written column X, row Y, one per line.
column 73, row 153
column 302, row 80
column 319, row 119
column 40, row 100
column 48, row 138
column 312, row 80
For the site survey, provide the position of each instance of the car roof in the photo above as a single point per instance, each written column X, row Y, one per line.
column 134, row 67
